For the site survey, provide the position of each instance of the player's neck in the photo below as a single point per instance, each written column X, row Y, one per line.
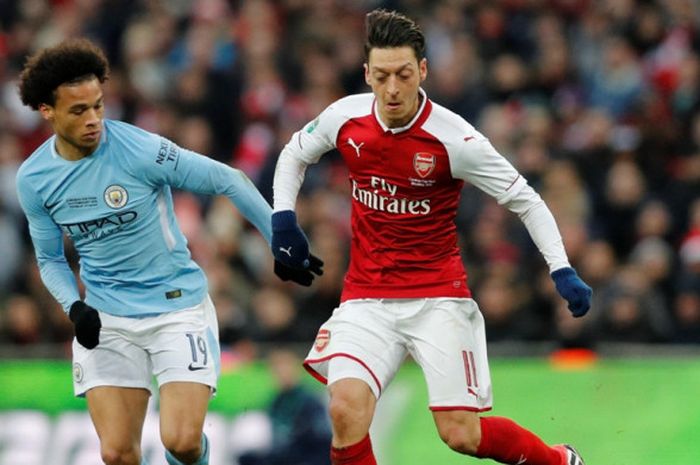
column 71, row 152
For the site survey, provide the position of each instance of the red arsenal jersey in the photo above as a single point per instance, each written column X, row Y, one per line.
column 406, row 184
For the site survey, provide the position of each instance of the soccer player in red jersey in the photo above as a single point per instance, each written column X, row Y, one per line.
column 405, row 291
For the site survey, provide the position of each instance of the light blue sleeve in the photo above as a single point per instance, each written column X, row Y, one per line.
column 48, row 247
column 197, row 173
column 169, row 164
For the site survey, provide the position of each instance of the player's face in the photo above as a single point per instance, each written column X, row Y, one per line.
column 76, row 118
column 394, row 74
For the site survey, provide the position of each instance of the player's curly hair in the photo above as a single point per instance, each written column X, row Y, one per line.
column 389, row 29
column 71, row 61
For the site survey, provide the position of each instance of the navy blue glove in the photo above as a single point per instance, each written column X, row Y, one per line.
column 87, row 324
column 289, row 244
column 302, row 277
column 573, row 290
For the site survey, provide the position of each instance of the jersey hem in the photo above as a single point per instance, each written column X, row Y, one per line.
column 450, row 408
column 353, row 291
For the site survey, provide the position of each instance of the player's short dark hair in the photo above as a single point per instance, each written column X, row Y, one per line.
column 71, row 61
column 389, row 29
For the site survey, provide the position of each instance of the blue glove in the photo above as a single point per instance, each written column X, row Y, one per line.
column 289, row 244
column 573, row 290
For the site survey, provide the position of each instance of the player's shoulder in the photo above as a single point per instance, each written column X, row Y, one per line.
column 37, row 161
column 126, row 132
column 132, row 145
column 445, row 124
column 338, row 113
column 352, row 106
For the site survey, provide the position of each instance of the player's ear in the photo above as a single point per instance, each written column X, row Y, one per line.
column 423, row 69
column 46, row 111
column 366, row 66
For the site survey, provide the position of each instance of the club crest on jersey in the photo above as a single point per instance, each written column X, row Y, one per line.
column 322, row 339
column 423, row 163
column 116, row 196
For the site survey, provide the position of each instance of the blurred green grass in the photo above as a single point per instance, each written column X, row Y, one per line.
column 616, row 412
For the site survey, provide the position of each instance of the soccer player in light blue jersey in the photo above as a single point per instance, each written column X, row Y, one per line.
column 106, row 185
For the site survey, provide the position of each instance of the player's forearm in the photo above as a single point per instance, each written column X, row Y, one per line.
column 541, row 226
column 59, row 280
column 197, row 173
column 289, row 176
column 252, row 205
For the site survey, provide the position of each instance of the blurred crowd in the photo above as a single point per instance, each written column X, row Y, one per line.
column 596, row 102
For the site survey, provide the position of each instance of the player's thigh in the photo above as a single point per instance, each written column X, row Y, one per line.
column 183, row 407
column 118, row 414
column 351, row 408
column 184, row 346
column 358, row 341
column 448, row 341
column 118, row 360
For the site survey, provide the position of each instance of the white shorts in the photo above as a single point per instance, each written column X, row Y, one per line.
column 369, row 339
column 174, row 346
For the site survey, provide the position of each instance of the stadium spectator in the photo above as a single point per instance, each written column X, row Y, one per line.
column 300, row 427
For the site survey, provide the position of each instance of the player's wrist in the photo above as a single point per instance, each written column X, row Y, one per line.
column 284, row 220
column 563, row 273
column 78, row 310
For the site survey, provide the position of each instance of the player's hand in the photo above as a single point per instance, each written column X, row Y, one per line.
column 302, row 277
column 87, row 324
column 289, row 243
column 573, row 290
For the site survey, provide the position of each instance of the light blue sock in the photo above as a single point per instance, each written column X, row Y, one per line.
column 202, row 460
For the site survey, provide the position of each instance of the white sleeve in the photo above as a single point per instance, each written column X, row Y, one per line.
column 303, row 149
column 289, row 175
column 540, row 223
column 480, row 164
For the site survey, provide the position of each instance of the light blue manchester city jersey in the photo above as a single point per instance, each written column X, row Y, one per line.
column 116, row 206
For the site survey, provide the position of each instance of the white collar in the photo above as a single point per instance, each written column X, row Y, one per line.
column 410, row 123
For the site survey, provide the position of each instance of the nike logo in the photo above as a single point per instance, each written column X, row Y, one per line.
column 522, row 460
column 468, row 138
column 49, row 206
column 191, row 367
column 355, row 146
column 288, row 251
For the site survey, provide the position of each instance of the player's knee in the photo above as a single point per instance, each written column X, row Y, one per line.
column 185, row 445
column 112, row 455
column 348, row 410
column 461, row 438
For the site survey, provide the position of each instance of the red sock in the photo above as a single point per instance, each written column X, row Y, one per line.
column 356, row 454
column 505, row 441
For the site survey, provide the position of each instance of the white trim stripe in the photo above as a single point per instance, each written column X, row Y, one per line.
column 164, row 224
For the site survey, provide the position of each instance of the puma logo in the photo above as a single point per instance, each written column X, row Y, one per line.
column 355, row 146
column 288, row 250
